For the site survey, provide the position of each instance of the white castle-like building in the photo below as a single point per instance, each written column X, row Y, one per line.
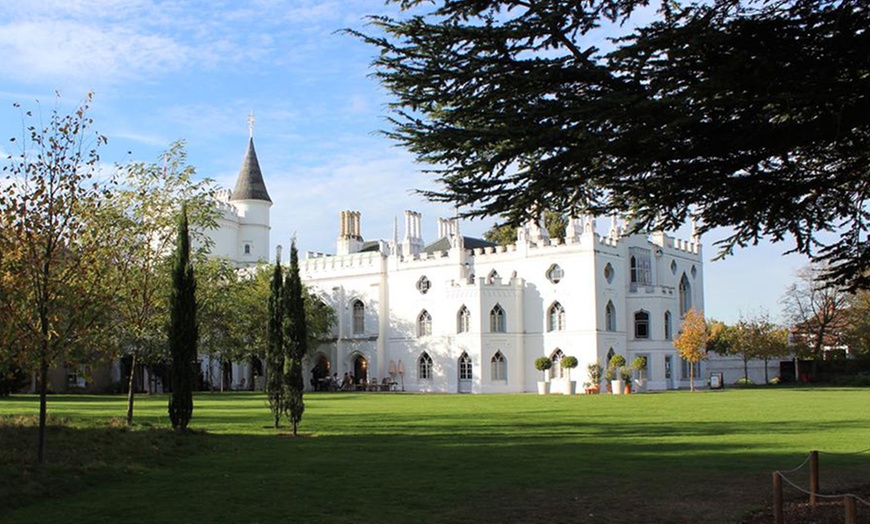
column 460, row 314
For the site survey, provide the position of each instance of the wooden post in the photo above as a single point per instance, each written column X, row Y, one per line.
column 851, row 509
column 777, row 498
column 814, row 476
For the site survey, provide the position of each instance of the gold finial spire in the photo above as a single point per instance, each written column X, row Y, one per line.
column 251, row 124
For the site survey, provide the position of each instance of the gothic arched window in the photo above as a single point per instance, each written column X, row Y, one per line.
column 685, row 296
column 424, row 324
column 463, row 320
column 497, row 323
column 424, row 367
column 359, row 317
column 498, row 366
column 556, row 317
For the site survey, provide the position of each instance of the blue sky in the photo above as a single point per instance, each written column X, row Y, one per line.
column 167, row 70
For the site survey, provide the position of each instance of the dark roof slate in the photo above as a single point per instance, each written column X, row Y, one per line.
column 250, row 184
column 443, row 244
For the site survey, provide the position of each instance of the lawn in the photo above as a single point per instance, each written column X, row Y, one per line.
column 665, row 457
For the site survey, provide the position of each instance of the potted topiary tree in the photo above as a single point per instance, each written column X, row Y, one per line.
column 617, row 384
column 609, row 377
column 639, row 365
column 594, row 372
column 570, row 363
column 625, row 373
column 543, row 364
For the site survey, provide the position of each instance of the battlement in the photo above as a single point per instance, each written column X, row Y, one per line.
column 321, row 263
column 677, row 244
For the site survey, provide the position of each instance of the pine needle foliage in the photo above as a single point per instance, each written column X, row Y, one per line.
column 183, row 329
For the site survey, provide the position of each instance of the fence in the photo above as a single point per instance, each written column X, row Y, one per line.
column 850, row 500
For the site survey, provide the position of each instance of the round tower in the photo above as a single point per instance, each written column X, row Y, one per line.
column 252, row 203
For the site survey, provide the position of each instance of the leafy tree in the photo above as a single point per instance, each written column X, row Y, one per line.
column 857, row 335
column 721, row 338
column 816, row 311
column 183, row 330
column 275, row 348
column 755, row 337
column 147, row 202
column 295, row 340
column 57, row 268
column 222, row 328
column 319, row 319
column 692, row 341
column 762, row 340
column 751, row 115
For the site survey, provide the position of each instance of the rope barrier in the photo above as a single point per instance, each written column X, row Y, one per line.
column 819, row 495
column 804, row 463
column 782, row 476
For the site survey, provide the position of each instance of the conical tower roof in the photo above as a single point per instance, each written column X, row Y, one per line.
column 250, row 184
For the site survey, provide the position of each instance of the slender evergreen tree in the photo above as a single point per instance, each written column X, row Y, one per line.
column 295, row 339
column 183, row 330
column 275, row 347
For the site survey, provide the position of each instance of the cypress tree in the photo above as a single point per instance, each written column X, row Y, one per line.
column 275, row 347
column 183, row 331
column 296, row 341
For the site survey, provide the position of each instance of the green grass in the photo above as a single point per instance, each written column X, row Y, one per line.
column 667, row 457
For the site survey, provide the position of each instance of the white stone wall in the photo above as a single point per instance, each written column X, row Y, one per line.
column 387, row 286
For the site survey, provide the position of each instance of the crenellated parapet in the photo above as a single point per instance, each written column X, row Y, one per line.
column 692, row 247
column 339, row 263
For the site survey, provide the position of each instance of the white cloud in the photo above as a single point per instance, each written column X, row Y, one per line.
column 60, row 51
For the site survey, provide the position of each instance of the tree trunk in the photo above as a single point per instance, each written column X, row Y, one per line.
column 766, row 378
column 43, row 389
column 691, row 376
column 745, row 368
column 43, row 369
column 131, row 389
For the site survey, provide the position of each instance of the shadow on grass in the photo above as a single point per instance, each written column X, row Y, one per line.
column 488, row 473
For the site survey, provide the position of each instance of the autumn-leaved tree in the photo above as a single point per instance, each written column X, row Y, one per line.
column 692, row 341
column 817, row 313
column 57, row 263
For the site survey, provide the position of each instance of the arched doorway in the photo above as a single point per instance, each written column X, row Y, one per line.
column 320, row 373
column 257, row 381
column 360, row 369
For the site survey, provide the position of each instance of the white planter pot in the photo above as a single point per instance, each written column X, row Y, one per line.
column 543, row 387
column 640, row 384
column 617, row 386
column 570, row 387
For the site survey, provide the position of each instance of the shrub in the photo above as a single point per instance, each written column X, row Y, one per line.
column 12, row 380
